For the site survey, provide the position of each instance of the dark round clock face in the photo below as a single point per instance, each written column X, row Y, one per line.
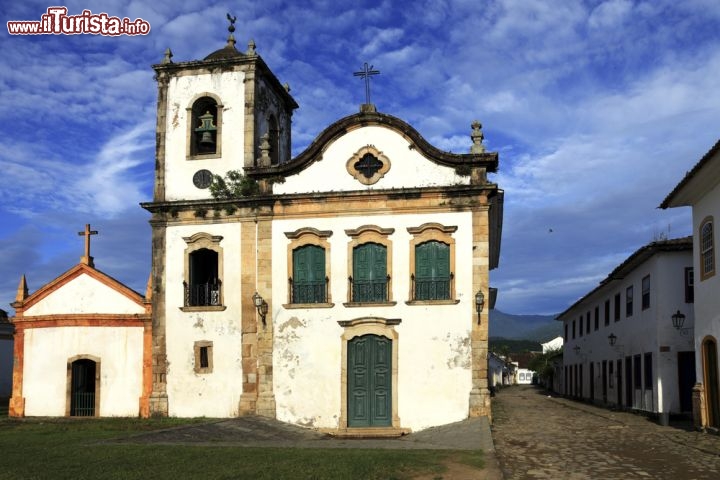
column 202, row 178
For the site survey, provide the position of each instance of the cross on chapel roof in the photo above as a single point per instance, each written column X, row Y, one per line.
column 87, row 259
column 366, row 73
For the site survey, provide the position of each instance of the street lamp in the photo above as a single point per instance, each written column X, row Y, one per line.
column 612, row 338
column 577, row 349
column 678, row 320
column 479, row 303
column 261, row 305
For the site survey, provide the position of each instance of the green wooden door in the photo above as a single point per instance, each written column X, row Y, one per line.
column 369, row 382
column 309, row 274
column 432, row 271
column 370, row 273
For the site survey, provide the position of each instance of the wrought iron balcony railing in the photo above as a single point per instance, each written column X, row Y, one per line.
column 202, row 294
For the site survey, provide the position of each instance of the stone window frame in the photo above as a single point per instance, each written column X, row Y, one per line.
column 68, row 388
column 357, row 156
column 370, row 234
column 432, row 232
column 369, row 326
column 191, row 128
column 197, row 347
column 195, row 242
column 706, row 248
column 300, row 238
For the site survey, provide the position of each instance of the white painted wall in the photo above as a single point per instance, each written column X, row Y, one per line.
column 182, row 90
column 213, row 394
column 645, row 331
column 84, row 294
column 408, row 167
column 47, row 351
column 434, row 377
column 524, row 376
column 707, row 300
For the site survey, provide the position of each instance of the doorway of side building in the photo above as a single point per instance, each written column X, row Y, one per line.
column 619, row 383
column 686, row 379
column 628, row 382
column 712, row 385
column 369, row 380
column 84, row 383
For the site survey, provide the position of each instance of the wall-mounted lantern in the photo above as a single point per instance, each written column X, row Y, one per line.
column 612, row 338
column 678, row 320
column 479, row 303
column 261, row 305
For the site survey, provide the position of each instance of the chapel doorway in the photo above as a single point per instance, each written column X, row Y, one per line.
column 83, row 388
column 369, row 380
column 712, row 381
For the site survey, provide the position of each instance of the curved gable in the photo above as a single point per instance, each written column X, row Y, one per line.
column 389, row 139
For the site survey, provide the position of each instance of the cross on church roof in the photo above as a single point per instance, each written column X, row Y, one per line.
column 87, row 259
column 366, row 73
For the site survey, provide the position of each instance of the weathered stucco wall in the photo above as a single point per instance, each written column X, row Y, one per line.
column 213, row 394
column 45, row 378
column 88, row 296
column 182, row 92
column 434, row 370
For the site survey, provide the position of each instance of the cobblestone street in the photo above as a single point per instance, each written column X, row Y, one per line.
column 539, row 436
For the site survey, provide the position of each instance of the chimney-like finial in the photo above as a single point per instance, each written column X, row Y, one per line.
column 477, row 138
column 167, row 58
column 22, row 290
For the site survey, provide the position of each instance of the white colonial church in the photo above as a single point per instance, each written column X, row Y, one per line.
column 344, row 289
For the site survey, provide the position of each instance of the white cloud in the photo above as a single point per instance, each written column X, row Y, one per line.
column 610, row 14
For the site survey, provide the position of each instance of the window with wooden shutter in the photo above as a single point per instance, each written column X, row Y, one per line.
column 432, row 271
column 369, row 282
column 309, row 283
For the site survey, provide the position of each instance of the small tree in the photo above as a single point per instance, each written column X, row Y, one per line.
column 233, row 185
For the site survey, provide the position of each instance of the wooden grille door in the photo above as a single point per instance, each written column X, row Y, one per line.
column 369, row 382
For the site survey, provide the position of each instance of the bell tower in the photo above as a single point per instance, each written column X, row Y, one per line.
column 226, row 112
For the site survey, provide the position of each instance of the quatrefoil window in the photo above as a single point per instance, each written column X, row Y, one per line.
column 368, row 165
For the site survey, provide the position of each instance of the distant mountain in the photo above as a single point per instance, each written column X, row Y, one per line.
column 538, row 328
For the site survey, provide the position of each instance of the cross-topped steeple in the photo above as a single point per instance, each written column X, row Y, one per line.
column 87, row 259
column 366, row 73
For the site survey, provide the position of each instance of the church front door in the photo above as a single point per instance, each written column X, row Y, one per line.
column 369, row 381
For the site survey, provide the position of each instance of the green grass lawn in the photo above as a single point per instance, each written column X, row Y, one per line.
column 75, row 448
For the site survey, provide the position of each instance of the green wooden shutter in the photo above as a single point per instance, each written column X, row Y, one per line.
column 370, row 273
column 309, row 274
column 432, row 271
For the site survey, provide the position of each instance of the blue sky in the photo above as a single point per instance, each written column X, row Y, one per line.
column 596, row 108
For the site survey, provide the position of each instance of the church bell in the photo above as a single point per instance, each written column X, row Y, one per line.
column 205, row 130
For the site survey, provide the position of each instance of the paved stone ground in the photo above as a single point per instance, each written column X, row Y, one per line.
column 251, row 431
column 541, row 437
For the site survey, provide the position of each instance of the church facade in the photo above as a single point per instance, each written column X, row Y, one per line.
column 344, row 289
